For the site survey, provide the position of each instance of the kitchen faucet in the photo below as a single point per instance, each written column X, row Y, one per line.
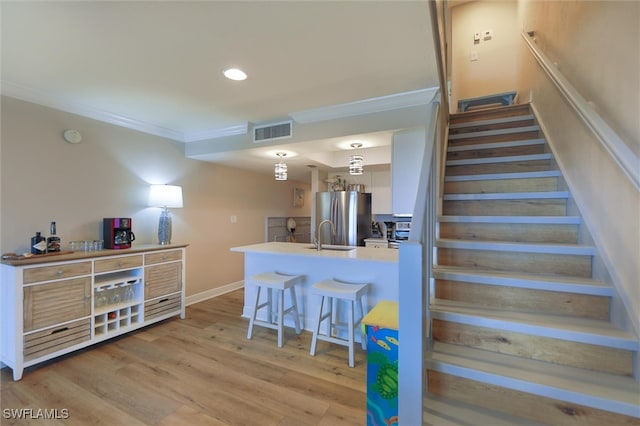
column 318, row 235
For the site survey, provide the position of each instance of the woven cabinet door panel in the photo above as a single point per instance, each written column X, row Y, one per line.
column 160, row 280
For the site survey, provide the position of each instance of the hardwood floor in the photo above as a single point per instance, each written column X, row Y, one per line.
column 198, row 371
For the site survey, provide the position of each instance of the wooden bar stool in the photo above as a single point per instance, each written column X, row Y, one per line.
column 338, row 291
column 279, row 282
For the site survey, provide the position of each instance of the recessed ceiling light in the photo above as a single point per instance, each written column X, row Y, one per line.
column 235, row 74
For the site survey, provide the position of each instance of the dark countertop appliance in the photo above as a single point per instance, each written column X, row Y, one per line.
column 116, row 232
column 400, row 234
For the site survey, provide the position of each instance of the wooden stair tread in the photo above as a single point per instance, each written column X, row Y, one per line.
column 522, row 280
column 545, row 220
column 497, row 132
column 506, row 195
column 442, row 411
column 519, row 109
column 598, row 390
column 501, row 176
column 547, row 248
column 505, row 159
column 489, row 122
column 494, row 145
column 575, row 329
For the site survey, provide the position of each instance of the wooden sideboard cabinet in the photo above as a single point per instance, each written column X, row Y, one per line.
column 54, row 305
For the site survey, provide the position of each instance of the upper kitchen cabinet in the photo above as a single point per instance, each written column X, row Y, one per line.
column 381, row 192
column 407, row 150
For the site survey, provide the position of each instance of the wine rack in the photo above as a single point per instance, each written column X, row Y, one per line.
column 117, row 305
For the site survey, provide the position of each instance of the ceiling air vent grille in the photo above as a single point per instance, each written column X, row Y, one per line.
column 273, row 131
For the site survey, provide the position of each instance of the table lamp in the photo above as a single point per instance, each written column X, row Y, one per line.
column 165, row 196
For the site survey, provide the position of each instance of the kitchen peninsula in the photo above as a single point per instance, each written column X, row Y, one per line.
column 377, row 266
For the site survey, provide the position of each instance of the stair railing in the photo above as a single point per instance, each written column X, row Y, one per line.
column 415, row 275
column 416, row 255
column 626, row 159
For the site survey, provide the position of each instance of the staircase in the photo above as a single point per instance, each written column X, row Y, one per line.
column 521, row 328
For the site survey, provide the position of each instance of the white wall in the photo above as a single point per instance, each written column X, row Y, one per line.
column 44, row 178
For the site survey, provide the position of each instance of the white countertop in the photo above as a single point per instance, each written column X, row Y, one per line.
column 309, row 251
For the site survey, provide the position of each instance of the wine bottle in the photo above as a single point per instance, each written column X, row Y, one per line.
column 38, row 244
column 53, row 242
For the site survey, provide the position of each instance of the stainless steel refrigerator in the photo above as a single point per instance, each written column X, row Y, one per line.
column 349, row 211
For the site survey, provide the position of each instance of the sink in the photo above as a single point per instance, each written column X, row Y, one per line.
column 334, row 247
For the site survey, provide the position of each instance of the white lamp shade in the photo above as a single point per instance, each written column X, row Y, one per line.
column 165, row 196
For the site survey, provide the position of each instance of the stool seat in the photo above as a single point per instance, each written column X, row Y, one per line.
column 339, row 291
column 274, row 280
column 278, row 282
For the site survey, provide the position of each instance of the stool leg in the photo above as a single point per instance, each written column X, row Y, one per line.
column 294, row 306
column 332, row 318
column 351, row 335
column 316, row 329
column 363, row 336
column 253, row 315
column 280, row 316
column 270, row 306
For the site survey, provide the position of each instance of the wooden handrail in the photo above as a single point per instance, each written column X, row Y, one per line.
column 626, row 159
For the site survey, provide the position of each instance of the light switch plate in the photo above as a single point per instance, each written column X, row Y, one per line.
column 488, row 34
column 474, row 56
column 476, row 36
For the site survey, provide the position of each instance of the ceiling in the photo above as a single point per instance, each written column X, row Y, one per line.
column 156, row 66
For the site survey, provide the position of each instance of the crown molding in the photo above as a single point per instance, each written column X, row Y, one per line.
column 238, row 129
column 27, row 94
column 367, row 106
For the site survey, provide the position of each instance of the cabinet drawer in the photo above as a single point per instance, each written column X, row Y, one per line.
column 56, row 338
column 117, row 263
column 162, row 256
column 163, row 306
column 47, row 304
column 163, row 279
column 64, row 270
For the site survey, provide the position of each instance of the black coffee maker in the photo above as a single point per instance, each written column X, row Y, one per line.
column 116, row 232
column 390, row 230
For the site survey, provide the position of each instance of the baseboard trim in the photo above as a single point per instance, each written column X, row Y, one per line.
column 214, row 292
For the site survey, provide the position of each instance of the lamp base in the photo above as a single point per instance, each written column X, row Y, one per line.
column 164, row 227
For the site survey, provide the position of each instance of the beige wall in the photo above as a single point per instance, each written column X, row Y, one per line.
column 495, row 71
column 596, row 45
column 44, row 178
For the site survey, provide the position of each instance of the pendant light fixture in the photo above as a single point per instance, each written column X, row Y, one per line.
column 356, row 161
column 281, row 167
